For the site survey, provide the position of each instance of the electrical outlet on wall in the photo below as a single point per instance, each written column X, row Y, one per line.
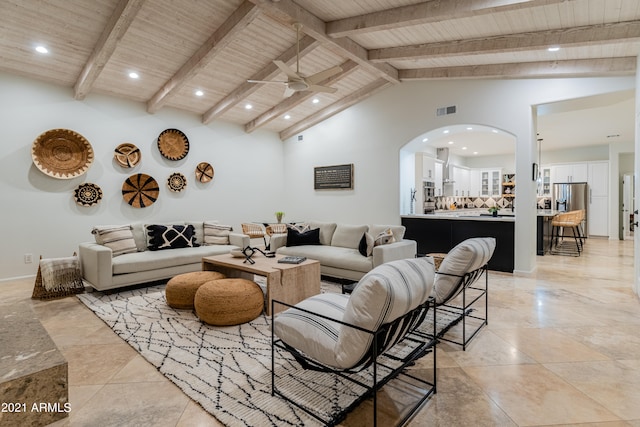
column 28, row 258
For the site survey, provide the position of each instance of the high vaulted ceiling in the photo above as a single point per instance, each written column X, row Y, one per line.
column 181, row 46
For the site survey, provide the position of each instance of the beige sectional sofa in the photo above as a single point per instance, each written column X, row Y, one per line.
column 121, row 255
column 348, row 251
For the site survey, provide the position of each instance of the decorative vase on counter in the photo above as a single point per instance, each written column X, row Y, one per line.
column 494, row 213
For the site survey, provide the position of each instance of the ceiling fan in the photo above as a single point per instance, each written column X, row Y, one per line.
column 297, row 82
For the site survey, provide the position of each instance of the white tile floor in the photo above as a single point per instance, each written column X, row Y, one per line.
column 562, row 348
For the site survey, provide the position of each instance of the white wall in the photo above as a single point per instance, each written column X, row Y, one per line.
column 371, row 134
column 39, row 214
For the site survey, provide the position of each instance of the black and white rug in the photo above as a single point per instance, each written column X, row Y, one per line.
column 227, row 370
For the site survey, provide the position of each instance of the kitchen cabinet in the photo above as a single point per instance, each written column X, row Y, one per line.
column 461, row 180
column 439, row 176
column 485, row 182
column 598, row 213
column 544, row 188
column 428, row 168
column 569, row 172
column 475, row 187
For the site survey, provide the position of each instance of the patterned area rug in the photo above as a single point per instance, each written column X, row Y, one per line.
column 227, row 370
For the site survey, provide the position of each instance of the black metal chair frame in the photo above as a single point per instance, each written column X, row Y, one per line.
column 466, row 282
column 556, row 243
column 383, row 340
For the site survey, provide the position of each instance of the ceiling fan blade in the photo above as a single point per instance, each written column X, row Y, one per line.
column 288, row 71
column 267, row 81
column 318, row 88
column 323, row 75
column 288, row 92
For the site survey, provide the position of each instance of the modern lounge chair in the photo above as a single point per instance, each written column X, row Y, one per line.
column 346, row 335
column 457, row 274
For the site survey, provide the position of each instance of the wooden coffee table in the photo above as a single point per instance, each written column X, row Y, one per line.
column 289, row 283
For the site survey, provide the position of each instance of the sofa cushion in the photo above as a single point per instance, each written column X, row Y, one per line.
column 326, row 230
column 198, row 227
column 170, row 236
column 331, row 256
column 384, row 238
column 119, row 238
column 465, row 257
column 216, row 234
column 397, row 230
column 297, row 238
column 348, row 236
column 155, row 260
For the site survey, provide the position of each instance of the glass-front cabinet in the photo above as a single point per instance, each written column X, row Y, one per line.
column 490, row 182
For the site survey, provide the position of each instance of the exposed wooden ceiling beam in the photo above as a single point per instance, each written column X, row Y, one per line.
column 297, row 98
column 560, row 69
column 424, row 13
column 288, row 12
column 307, row 44
column 116, row 27
column 335, row 108
column 578, row 36
column 221, row 38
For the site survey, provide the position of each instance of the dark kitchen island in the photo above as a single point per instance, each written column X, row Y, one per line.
column 441, row 232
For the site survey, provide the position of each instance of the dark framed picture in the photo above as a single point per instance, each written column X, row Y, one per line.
column 337, row 177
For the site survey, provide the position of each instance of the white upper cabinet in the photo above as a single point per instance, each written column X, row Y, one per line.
column 428, row 168
column 461, row 180
column 570, row 172
column 598, row 179
column 439, row 169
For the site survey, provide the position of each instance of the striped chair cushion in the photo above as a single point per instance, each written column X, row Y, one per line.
column 465, row 257
column 384, row 294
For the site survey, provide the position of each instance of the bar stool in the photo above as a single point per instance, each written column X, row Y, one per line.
column 559, row 224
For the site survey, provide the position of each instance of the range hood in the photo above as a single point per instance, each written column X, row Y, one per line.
column 447, row 175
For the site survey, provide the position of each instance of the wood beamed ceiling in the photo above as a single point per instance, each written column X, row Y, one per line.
column 180, row 46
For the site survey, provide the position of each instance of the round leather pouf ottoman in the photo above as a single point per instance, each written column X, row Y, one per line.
column 181, row 289
column 228, row 302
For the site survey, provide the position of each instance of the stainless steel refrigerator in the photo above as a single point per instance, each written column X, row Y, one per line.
column 571, row 196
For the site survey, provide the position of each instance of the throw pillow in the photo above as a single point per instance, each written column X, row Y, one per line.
column 384, row 238
column 366, row 244
column 310, row 237
column 119, row 238
column 300, row 228
column 216, row 234
column 171, row 237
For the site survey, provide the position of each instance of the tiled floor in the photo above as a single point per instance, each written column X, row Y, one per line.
column 562, row 348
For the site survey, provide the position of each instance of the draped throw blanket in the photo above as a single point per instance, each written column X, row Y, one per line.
column 60, row 274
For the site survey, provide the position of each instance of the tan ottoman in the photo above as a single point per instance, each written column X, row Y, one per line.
column 227, row 302
column 181, row 290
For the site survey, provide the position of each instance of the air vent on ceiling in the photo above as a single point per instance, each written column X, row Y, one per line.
column 444, row 111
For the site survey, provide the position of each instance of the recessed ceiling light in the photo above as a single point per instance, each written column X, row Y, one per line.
column 42, row 49
column 464, row 148
column 315, row 100
column 450, row 142
column 287, row 116
column 134, row 75
column 199, row 93
column 494, row 131
column 425, row 139
column 248, row 107
column 475, row 152
column 553, row 48
column 469, row 128
column 445, row 131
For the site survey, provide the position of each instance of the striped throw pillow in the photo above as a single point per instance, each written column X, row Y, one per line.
column 216, row 234
column 118, row 238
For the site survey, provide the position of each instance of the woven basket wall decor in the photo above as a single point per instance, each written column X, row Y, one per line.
column 140, row 190
column 177, row 182
column 127, row 155
column 173, row 144
column 88, row 194
column 204, row 172
column 62, row 153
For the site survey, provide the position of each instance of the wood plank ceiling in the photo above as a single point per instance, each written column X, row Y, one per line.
column 178, row 47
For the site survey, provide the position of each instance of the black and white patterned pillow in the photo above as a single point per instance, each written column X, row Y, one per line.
column 171, row 237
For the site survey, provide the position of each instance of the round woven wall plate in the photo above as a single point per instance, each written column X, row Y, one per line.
column 88, row 194
column 177, row 182
column 127, row 155
column 173, row 144
column 140, row 190
column 62, row 153
column 204, row 172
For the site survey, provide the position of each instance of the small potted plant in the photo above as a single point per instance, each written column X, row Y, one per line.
column 494, row 210
column 279, row 216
